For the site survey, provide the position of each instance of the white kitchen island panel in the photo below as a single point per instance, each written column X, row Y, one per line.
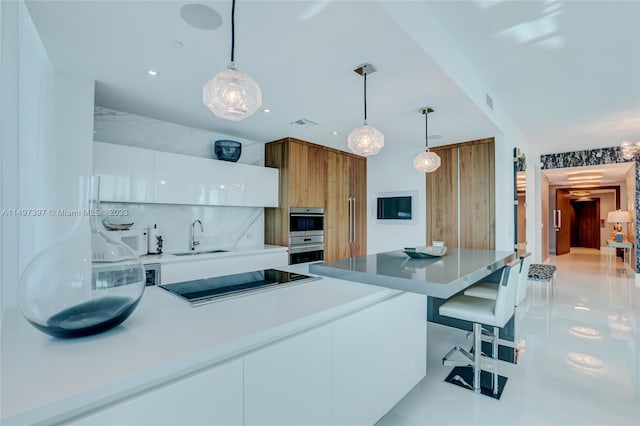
column 289, row 383
column 378, row 354
column 212, row 397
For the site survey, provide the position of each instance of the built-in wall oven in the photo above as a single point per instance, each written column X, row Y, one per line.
column 306, row 234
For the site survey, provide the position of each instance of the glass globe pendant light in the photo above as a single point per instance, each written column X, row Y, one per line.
column 365, row 140
column 427, row 161
column 230, row 94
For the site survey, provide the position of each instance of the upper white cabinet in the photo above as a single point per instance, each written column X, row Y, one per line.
column 126, row 173
column 145, row 176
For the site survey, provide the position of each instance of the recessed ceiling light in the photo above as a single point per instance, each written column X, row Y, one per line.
column 587, row 184
column 334, row 133
column 152, row 73
column 266, row 110
column 585, row 172
column 586, row 177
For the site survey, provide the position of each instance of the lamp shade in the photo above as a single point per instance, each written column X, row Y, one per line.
column 620, row 216
column 365, row 140
column 232, row 95
column 426, row 162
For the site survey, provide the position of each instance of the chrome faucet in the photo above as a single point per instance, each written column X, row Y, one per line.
column 195, row 242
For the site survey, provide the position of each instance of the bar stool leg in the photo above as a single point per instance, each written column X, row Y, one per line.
column 477, row 355
column 494, row 349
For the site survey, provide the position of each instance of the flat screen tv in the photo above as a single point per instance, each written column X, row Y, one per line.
column 395, row 208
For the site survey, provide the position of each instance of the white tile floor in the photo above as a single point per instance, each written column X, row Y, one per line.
column 579, row 363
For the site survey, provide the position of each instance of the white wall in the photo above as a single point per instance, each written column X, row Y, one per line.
column 46, row 143
column 384, row 237
column 434, row 39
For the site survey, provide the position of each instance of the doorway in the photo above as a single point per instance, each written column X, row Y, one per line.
column 585, row 223
column 573, row 216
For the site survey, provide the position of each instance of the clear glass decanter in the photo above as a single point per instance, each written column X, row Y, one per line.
column 87, row 282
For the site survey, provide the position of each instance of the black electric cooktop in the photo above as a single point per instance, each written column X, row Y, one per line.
column 208, row 290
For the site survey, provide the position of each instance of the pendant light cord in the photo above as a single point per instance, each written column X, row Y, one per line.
column 233, row 28
column 364, row 73
column 426, row 128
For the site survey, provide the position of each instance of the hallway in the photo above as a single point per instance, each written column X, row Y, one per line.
column 579, row 361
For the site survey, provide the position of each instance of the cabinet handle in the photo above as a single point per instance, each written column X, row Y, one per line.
column 355, row 236
column 350, row 221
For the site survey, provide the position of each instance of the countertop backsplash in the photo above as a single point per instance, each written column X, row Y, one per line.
column 224, row 227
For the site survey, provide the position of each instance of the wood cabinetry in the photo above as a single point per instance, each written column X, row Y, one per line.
column 461, row 196
column 316, row 176
column 346, row 207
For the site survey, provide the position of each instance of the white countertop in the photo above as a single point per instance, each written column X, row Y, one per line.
column 45, row 378
column 240, row 251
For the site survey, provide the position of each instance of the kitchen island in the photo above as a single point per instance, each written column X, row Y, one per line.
column 324, row 352
column 439, row 278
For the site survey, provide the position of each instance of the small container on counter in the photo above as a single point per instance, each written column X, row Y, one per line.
column 154, row 240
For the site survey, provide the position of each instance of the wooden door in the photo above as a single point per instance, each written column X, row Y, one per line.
column 586, row 229
column 442, row 199
column 562, row 221
column 477, row 195
column 336, row 215
column 358, row 194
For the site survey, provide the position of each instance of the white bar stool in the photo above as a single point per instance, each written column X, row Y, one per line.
column 482, row 311
column 489, row 290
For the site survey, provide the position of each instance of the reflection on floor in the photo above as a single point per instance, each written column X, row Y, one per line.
column 579, row 362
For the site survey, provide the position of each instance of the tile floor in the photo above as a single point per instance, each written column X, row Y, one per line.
column 579, row 360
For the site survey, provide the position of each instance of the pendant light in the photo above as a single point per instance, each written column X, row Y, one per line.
column 427, row 161
column 365, row 140
column 230, row 94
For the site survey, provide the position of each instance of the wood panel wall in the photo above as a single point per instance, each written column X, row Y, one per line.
column 442, row 199
column 477, row 196
column 466, row 178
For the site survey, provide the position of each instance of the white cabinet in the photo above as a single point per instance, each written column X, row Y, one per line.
column 146, row 176
column 126, row 173
column 289, row 383
column 353, row 370
column 379, row 354
column 207, row 267
column 190, row 180
column 213, row 397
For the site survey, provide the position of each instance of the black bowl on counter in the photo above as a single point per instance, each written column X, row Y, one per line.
column 227, row 150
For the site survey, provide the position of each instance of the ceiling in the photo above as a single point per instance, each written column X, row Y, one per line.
column 610, row 174
column 570, row 78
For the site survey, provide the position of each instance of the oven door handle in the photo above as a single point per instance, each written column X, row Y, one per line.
column 306, row 247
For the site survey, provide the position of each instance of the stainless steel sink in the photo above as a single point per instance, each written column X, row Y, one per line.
column 193, row 253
